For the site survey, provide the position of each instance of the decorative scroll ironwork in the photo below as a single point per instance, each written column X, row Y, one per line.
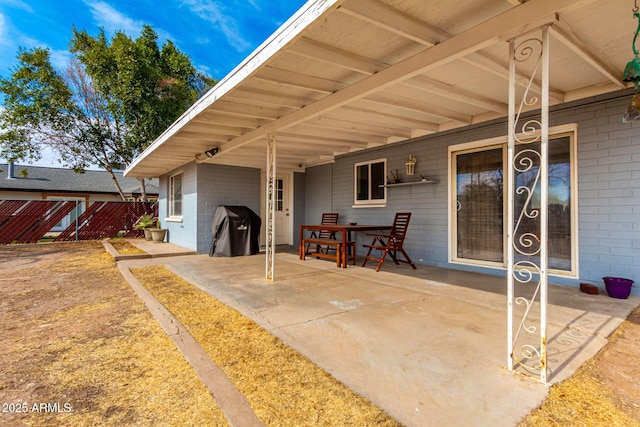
column 527, row 243
column 270, row 207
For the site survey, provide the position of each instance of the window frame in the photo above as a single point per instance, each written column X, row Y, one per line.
column 571, row 131
column 369, row 202
column 171, row 200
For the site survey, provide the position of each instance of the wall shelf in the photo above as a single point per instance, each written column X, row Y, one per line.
column 402, row 184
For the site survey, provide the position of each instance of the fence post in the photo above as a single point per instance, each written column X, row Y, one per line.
column 77, row 220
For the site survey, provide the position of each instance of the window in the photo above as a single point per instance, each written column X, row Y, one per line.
column 175, row 195
column 478, row 220
column 369, row 180
column 279, row 194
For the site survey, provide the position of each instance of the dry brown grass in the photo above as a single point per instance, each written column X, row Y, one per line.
column 593, row 396
column 75, row 334
column 283, row 387
column 581, row 400
column 124, row 247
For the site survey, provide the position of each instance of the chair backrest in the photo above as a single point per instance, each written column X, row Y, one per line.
column 328, row 218
column 400, row 225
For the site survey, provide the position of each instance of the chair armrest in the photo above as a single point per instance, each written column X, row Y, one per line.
column 379, row 235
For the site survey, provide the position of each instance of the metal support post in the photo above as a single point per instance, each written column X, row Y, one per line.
column 270, row 211
column 527, row 209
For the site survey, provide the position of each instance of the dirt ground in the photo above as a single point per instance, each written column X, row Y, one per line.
column 79, row 348
column 54, row 302
column 605, row 391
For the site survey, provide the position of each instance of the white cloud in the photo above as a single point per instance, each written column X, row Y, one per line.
column 112, row 20
column 211, row 11
column 255, row 5
column 3, row 30
column 18, row 4
column 60, row 58
column 12, row 38
column 204, row 69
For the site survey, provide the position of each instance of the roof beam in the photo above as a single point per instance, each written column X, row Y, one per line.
column 247, row 110
column 499, row 69
column 326, row 122
column 198, row 126
column 228, row 119
column 379, row 117
column 255, row 158
column 337, row 134
column 187, row 136
column 419, row 107
column 291, row 78
column 336, row 56
column 394, row 20
column 290, row 144
column 461, row 95
column 268, row 97
column 566, row 37
column 325, row 140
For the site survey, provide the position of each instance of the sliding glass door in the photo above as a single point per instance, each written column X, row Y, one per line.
column 480, row 205
column 478, row 221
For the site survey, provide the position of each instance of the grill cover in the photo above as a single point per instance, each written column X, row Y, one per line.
column 236, row 231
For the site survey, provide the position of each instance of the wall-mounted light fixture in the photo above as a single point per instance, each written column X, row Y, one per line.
column 632, row 74
column 410, row 165
column 212, row 152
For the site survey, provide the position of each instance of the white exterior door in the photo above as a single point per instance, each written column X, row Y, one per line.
column 283, row 215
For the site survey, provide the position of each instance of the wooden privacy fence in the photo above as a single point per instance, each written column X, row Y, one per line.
column 28, row 221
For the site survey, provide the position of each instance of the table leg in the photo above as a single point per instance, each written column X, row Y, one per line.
column 344, row 249
column 301, row 248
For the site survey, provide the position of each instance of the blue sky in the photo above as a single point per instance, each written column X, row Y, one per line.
column 216, row 34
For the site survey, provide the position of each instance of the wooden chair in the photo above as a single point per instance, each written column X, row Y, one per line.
column 390, row 244
column 328, row 218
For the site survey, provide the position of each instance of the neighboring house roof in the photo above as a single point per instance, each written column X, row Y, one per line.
column 45, row 179
column 346, row 75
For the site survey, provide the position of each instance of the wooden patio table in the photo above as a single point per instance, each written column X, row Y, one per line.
column 345, row 234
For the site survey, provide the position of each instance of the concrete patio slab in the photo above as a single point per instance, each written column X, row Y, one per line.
column 428, row 346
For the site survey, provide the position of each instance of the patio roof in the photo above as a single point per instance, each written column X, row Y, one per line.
column 346, row 75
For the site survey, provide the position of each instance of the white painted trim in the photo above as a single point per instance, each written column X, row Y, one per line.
column 170, row 200
column 471, row 147
column 370, row 202
column 173, row 219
